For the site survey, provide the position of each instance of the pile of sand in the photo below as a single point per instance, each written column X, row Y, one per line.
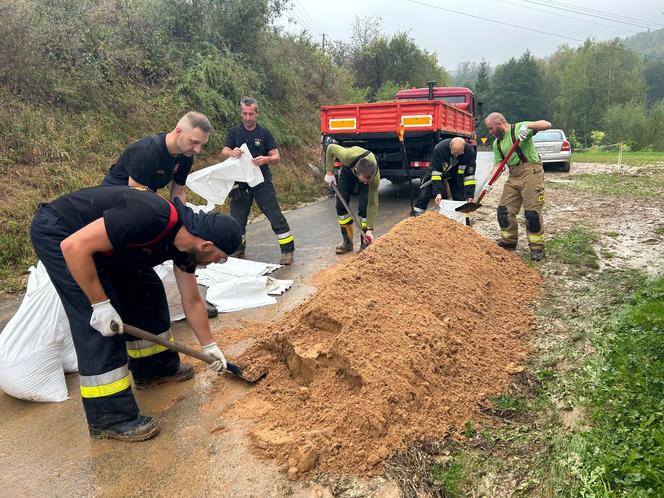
column 399, row 344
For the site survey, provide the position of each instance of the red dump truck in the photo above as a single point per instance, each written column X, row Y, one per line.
column 426, row 115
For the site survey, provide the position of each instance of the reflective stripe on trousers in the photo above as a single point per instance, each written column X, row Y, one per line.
column 105, row 384
column 142, row 348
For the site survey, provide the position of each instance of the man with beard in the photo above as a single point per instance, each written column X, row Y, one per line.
column 99, row 246
column 157, row 160
column 525, row 184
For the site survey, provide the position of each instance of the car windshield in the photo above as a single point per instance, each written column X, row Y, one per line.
column 549, row 136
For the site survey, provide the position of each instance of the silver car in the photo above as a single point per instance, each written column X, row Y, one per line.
column 554, row 148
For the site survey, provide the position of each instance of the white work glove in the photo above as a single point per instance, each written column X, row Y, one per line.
column 330, row 179
column 214, row 351
column 523, row 133
column 103, row 314
column 369, row 236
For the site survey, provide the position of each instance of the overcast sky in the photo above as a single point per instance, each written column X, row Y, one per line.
column 455, row 37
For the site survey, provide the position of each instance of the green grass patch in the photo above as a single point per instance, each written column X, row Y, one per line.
column 611, row 157
column 643, row 184
column 623, row 388
column 575, row 248
column 450, row 477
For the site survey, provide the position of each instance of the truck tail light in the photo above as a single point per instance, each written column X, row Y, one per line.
column 419, row 164
column 565, row 146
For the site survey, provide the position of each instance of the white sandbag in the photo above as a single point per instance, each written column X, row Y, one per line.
column 33, row 346
column 215, row 182
column 165, row 273
column 447, row 208
column 239, row 294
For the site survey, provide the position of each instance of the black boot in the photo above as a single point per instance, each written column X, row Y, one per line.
column 239, row 253
column 347, row 244
column 510, row 246
column 184, row 372
column 139, row 429
column 212, row 310
column 537, row 254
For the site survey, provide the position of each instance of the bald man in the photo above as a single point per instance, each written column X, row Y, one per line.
column 525, row 184
column 157, row 160
column 453, row 160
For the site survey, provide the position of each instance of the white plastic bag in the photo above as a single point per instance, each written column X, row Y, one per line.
column 215, row 182
column 36, row 345
column 447, row 208
column 165, row 273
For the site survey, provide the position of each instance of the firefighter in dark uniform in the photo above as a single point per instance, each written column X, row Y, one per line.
column 264, row 151
column 99, row 246
column 158, row 160
column 453, row 160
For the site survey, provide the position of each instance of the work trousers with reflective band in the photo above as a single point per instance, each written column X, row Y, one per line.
column 525, row 186
column 347, row 183
column 427, row 193
column 103, row 364
column 265, row 196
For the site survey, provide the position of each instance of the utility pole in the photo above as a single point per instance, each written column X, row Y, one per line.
column 323, row 35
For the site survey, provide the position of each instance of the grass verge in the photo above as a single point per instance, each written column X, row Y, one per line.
column 643, row 184
column 611, row 157
column 595, row 425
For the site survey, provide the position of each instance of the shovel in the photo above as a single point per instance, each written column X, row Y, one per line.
column 473, row 205
column 181, row 348
column 352, row 214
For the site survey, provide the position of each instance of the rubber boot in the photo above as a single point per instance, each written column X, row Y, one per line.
column 139, row 429
column 287, row 258
column 347, row 244
column 510, row 246
column 537, row 254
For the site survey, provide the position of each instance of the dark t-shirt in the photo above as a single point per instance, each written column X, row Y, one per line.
column 136, row 222
column 442, row 160
column 259, row 141
column 149, row 163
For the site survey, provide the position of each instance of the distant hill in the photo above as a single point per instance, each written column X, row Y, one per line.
column 647, row 43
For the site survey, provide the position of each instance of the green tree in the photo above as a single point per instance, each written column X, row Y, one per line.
column 653, row 77
column 517, row 90
column 482, row 89
column 596, row 76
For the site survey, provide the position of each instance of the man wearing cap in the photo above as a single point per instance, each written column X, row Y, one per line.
column 99, row 246
column 453, row 160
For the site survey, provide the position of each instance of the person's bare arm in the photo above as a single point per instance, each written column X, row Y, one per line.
column 227, row 152
column 273, row 157
column 178, row 191
column 194, row 307
column 540, row 125
column 133, row 183
column 78, row 250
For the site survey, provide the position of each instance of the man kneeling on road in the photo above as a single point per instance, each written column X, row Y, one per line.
column 99, row 246
column 359, row 166
column 453, row 160
column 525, row 184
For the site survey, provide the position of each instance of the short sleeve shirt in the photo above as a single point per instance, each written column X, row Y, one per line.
column 259, row 141
column 527, row 146
column 149, row 163
column 139, row 223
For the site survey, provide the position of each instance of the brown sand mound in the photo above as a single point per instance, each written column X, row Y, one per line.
column 399, row 344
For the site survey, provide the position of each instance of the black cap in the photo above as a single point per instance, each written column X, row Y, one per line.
column 222, row 230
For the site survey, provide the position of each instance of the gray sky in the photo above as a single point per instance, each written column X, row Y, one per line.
column 456, row 38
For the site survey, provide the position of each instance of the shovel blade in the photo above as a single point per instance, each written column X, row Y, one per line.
column 237, row 371
column 468, row 207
